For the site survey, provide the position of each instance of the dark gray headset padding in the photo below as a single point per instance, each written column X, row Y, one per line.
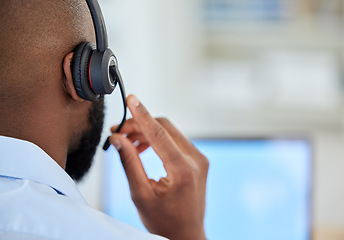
column 80, row 71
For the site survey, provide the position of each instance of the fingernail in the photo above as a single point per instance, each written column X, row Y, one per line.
column 136, row 143
column 117, row 144
column 134, row 101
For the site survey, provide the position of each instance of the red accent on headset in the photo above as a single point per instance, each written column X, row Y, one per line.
column 89, row 73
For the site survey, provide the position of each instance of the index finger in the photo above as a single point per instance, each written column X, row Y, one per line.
column 156, row 135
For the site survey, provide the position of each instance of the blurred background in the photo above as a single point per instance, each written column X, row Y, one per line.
column 237, row 68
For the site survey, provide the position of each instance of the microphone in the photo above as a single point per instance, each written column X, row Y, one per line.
column 117, row 79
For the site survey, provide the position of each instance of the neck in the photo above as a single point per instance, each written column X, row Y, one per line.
column 40, row 124
column 51, row 119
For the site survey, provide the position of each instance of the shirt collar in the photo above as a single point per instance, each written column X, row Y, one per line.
column 25, row 160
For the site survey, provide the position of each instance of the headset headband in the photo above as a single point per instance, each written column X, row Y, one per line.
column 99, row 25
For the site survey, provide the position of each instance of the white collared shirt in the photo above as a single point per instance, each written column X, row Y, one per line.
column 38, row 200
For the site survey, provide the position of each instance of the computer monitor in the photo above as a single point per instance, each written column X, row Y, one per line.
column 257, row 189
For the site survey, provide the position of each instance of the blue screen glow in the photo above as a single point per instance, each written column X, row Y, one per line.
column 256, row 190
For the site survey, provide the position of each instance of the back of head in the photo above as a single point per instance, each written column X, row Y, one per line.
column 35, row 36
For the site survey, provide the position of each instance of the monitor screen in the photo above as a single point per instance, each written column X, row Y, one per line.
column 257, row 189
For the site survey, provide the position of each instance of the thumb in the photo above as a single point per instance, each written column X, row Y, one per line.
column 137, row 177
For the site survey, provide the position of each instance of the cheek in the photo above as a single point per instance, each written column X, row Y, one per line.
column 82, row 117
column 79, row 123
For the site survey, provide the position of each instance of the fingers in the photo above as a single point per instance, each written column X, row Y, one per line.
column 134, row 134
column 184, row 143
column 129, row 126
column 169, row 144
column 133, row 131
column 137, row 177
column 177, row 136
column 156, row 135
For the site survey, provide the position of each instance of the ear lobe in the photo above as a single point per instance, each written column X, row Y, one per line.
column 69, row 84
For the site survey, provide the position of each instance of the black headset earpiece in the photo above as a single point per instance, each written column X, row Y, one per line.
column 91, row 63
column 91, row 71
column 94, row 67
column 80, row 71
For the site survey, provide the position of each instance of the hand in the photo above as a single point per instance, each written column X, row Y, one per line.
column 174, row 206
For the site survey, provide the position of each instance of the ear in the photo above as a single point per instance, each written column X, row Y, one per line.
column 68, row 83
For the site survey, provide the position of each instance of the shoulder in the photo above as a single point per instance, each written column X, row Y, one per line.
column 22, row 236
column 31, row 210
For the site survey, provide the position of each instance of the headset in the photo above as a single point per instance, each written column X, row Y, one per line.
column 95, row 68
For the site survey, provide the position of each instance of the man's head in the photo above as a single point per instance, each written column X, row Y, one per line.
column 37, row 96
